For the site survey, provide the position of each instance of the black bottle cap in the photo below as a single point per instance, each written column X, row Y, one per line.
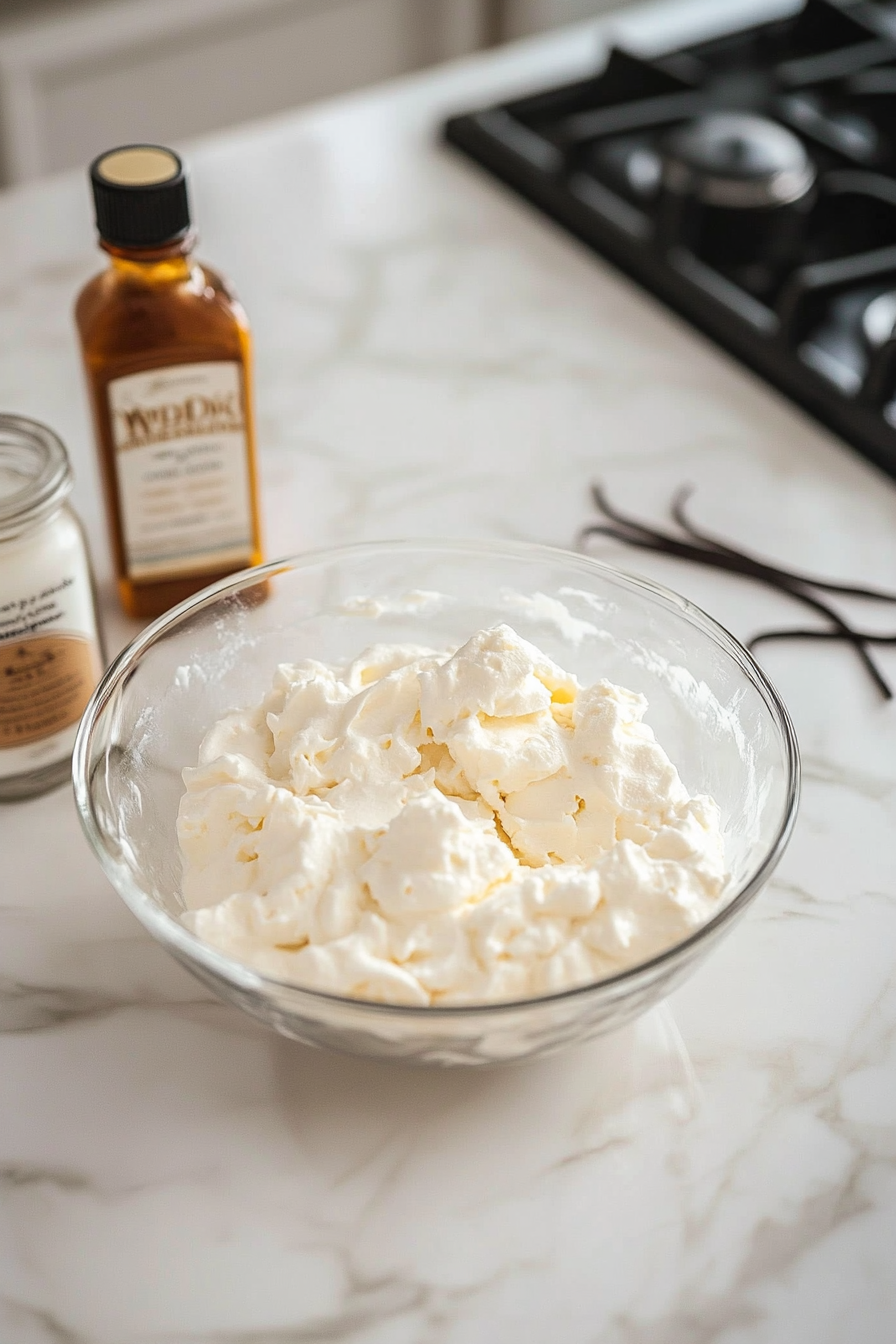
column 140, row 196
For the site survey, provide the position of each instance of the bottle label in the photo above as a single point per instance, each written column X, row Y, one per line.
column 50, row 657
column 47, row 681
column 183, row 469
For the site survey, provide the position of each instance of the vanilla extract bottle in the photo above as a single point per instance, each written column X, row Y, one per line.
column 167, row 355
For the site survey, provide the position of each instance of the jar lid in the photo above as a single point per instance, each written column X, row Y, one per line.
column 140, row 196
column 35, row 473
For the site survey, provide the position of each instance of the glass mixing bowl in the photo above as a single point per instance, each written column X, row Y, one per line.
column 712, row 708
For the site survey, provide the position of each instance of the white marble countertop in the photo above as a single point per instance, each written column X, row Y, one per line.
column 434, row 358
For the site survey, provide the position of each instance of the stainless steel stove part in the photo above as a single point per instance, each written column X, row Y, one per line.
column 879, row 332
column 737, row 190
column 879, row 320
column 737, row 161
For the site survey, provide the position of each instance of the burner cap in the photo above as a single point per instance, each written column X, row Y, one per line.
column 879, row 319
column 737, row 160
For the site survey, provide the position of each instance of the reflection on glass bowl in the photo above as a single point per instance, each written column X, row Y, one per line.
column 711, row 707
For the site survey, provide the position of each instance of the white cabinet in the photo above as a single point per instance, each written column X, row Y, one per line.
column 522, row 17
column 77, row 79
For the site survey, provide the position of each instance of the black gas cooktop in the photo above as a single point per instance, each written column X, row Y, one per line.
column 750, row 182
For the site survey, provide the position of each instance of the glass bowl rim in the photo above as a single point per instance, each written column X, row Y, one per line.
column 184, row 944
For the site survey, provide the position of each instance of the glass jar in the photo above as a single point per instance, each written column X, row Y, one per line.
column 50, row 649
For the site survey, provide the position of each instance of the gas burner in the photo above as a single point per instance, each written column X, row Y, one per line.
column 749, row 182
column 739, row 188
column 738, row 161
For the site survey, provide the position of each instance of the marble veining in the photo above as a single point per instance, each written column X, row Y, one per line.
column 434, row 359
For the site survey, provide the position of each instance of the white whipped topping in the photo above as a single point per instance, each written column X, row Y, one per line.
column 421, row 827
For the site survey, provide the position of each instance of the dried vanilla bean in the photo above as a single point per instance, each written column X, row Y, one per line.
column 639, row 534
column 700, row 548
column 799, row 632
column 686, row 492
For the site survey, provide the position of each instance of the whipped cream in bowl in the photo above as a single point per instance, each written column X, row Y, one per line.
column 456, row 828
column 466, row 819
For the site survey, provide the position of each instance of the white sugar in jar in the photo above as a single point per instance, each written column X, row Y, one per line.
column 50, row 649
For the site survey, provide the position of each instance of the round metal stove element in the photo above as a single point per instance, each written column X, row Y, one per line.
column 879, row 320
column 737, row 161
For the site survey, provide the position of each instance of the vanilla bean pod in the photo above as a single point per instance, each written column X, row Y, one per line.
column 797, row 632
column 651, row 539
column 708, row 551
column 686, row 492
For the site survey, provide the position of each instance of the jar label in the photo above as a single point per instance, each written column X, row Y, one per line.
column 45, row 683
column 183, row 469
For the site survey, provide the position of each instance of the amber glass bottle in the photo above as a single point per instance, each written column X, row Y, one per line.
column 167, row 353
